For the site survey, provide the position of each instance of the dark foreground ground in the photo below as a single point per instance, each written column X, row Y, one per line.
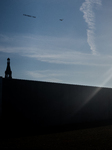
column 89, row 138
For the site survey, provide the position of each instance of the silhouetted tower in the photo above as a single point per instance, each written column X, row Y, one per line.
column 8, row 72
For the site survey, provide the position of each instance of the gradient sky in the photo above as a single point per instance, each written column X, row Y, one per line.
column 77, row 50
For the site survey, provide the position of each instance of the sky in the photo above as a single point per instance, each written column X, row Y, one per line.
column 77, row 50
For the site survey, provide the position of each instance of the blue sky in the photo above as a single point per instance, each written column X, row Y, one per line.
column 77, row 50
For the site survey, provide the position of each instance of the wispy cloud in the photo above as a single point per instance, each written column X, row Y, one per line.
column 58, row 52
column 89, row 16
column 70, row 57
column 4, row 38
column 49, row 75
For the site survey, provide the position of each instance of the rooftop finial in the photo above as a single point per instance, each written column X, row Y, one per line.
column 8, row 72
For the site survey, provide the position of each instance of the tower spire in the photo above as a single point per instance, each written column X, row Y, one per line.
column 8, row 72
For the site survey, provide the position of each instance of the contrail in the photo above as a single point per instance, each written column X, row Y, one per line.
column 89, row 16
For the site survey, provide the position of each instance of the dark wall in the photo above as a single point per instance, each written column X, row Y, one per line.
column 0, row 96
column 51, row 104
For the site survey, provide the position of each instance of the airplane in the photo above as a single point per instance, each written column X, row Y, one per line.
column 29, row 16
column 61, row 19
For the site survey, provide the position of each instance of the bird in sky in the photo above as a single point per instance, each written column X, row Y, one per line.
column 61, row 19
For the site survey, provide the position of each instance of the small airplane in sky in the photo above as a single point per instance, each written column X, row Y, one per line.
column 29, row 16
column 61, row 19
